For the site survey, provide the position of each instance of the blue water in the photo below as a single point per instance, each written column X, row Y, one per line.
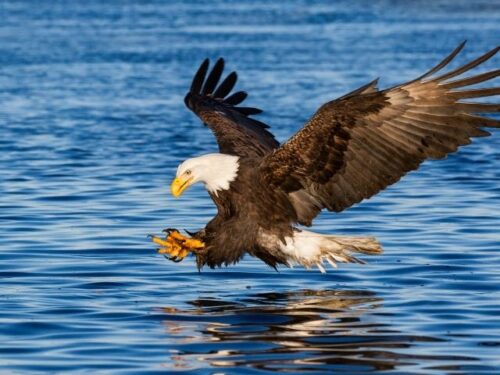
column 93, row 126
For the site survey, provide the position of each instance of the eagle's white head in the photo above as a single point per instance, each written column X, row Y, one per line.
column 216, row 171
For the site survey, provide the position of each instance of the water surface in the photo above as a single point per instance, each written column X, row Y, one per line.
column 93, row 127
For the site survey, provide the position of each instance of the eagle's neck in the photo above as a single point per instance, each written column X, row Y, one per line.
column 221, row 170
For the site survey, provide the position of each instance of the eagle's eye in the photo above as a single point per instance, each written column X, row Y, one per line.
column 188, row 172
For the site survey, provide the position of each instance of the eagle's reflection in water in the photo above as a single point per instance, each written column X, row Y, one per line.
column 329, row 330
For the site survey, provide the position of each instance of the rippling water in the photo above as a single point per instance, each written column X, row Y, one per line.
column 93, row 126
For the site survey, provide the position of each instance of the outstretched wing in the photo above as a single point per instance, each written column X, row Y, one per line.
column 236, row 132
column 357, row 145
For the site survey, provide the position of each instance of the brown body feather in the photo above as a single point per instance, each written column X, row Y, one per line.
column 243, row 211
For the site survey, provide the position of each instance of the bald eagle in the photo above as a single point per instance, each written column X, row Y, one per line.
column 351, row 148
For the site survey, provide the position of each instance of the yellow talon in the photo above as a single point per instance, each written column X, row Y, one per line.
column 174, row 235
column 175, row 251
column 163, row 250
column 176, row 245
column 161, row 242
column 194, row 243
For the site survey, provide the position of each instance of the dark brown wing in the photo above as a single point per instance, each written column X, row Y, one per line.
column 236, row 133
column 357, row 145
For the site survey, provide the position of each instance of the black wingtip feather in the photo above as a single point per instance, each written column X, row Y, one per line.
column 199, row 77
column 236, row 98
column 248, row 110
column 206, row 87
column 213, row 77
column 226, row 86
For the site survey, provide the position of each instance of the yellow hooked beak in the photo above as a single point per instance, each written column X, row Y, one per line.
column 179, row 185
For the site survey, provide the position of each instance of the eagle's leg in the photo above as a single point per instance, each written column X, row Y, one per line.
column 190, row 243
column 177, row 246
column 171, row 249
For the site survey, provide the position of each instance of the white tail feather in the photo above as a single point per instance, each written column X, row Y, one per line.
column 312, row 249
